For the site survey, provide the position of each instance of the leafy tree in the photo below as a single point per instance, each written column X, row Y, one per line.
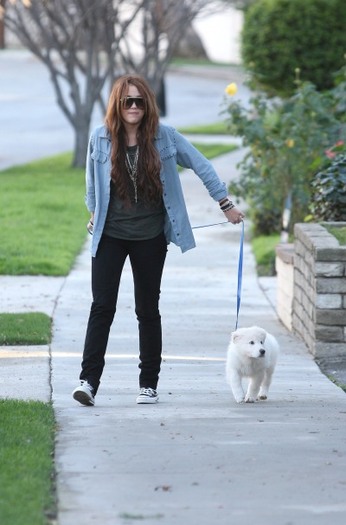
column 282, row 35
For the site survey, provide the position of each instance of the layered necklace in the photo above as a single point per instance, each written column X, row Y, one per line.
column 131, row 162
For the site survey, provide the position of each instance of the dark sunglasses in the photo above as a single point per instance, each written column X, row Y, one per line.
column 128, row 102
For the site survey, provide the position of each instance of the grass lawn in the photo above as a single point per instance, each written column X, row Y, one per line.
column 263, row 248
column 217, row 128
column 42, row 216
column 27, row 495
column 31, row 328
column 215, row 150
column 339, row 233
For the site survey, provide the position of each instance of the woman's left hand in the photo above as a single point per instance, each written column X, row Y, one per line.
column 235, row 216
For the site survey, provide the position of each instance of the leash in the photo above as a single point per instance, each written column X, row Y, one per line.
column 240, row 272
column 208, row 225
column 240, row 261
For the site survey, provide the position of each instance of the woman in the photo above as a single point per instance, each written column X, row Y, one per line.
column 137, row 207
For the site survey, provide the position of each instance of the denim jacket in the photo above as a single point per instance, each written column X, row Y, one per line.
column 173, row 149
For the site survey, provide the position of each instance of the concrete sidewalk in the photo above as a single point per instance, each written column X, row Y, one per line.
column 197, row 457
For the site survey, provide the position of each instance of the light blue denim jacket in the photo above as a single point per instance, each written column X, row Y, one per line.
column 173, row 149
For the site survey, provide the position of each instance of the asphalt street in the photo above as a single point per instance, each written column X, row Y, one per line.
column 33, row 125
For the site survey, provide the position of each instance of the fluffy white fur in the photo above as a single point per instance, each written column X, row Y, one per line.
column 252, row 353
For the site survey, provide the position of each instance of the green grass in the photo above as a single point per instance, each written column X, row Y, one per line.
column 42, row 216
column 178, row 61
column 214, row 150
column 27, row 463
column 339, row 233
column 216, row 128
column 263, row 248
column 336, row 381
column 25, row 329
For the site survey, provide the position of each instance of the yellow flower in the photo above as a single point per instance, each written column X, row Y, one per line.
column 290, row 143
column 231, row 89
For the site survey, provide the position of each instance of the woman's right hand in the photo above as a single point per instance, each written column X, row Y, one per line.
column 234, row 215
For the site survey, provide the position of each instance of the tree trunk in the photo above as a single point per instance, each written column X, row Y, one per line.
column 81, row 142
column 2, row 25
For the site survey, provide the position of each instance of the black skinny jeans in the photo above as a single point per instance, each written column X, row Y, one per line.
column 147, row 260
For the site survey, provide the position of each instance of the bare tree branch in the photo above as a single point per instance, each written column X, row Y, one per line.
column 69, row 37
column 85, row 44
column 162, row 25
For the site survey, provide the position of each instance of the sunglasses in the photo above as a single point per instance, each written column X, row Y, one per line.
column 128, row 102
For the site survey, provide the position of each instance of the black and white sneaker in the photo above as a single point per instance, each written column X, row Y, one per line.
column 84, row 394
column 147, row 396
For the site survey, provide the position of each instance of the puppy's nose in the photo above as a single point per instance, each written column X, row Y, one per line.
column 262, row 351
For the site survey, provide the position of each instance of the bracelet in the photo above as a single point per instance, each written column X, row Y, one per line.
column 228, row 206
column 223, row 201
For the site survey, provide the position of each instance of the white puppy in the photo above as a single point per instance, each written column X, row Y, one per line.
column 252, row 353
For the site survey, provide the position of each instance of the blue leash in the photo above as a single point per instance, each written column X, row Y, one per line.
column 207, row 225
column 240, row 272
column 240, row 262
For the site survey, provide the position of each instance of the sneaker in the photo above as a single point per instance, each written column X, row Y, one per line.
column 84, row 394
column 147, row 396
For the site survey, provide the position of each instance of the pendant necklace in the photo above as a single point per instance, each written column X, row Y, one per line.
column 131, row 168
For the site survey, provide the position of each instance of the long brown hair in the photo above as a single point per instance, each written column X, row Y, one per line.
column 148, row 181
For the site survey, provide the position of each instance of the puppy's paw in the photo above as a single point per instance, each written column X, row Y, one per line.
column 239, row 399
column 262, row 397
column 249, row 400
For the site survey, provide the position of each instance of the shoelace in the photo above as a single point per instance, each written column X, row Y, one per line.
column 147, row 392
column 86, row 384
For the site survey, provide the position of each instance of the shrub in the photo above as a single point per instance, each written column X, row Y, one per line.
column 282, row 35
column 285, row 141
column 329, row 187
column 339, row 93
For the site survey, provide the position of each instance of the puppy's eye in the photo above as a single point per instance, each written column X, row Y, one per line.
column 262, row 342
column 252, row 342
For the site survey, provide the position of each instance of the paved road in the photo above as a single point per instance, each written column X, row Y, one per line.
column 33, row 125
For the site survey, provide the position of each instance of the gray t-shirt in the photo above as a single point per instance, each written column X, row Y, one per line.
column 139, row 221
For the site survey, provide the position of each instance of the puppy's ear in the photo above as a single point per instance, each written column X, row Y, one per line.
column 235, row 336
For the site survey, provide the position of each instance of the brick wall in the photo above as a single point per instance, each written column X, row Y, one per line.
column 319, row 291
column 284, row 291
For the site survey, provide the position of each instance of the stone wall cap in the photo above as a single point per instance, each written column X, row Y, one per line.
column 285, row 252
column 318, row 235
